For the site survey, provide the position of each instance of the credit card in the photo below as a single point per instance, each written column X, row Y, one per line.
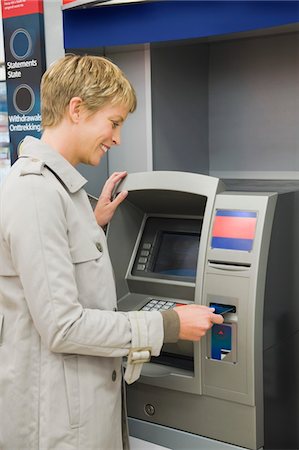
column 222, row 309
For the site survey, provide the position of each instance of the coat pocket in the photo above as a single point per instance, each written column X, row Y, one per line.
column 84, row 253
column 71, row 375
column 1, row 327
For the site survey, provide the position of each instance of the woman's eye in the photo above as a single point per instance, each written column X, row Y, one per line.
column 115, row 124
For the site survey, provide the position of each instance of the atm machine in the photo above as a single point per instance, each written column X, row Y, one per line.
column 184, row 238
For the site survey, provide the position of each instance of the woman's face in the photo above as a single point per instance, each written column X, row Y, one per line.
column 97, row 133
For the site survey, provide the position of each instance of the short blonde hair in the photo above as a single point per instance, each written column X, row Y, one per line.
column 95, row 79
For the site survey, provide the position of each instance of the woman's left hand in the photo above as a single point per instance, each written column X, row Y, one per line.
column 106, row 207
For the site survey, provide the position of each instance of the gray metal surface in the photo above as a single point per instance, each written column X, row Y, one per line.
column 254, row 104
column 134, row 153
column 180, row 108
column 227, row 107
column 175, row 439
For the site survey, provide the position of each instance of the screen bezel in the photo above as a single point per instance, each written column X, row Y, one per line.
column 151, row 276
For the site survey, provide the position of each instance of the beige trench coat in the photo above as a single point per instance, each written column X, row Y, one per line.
column 61, row 341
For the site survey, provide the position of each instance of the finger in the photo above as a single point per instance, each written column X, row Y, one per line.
column 118, row 175
column 119, row 199
column 217, row 318
column 112, row 181
column 204, row 307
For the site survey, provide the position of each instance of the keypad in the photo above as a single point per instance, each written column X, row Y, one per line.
column 155, row 304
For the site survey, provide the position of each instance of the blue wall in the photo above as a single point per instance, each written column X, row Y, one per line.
column 171, row 20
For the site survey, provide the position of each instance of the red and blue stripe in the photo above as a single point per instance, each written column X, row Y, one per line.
column 234, row 230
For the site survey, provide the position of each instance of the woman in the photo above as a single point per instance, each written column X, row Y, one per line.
column 62, row 338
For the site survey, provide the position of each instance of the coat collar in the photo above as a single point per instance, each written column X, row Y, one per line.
column 34, row 148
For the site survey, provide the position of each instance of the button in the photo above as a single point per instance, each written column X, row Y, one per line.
column 149, row 409
column 140, row 266
column 146, row 246
column 113, row 375
column 144, row 253
column 99, row 246
column 142, row 260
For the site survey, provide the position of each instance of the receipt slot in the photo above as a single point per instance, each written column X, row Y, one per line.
column 221, row 341
column 182, row 238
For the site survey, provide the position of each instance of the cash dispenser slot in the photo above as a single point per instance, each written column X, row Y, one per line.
column 184, row 362
column 232, row 266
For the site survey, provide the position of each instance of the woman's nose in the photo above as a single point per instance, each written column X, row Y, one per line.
column 116, row 137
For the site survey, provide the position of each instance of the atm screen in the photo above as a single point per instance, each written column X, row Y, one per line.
column 177, row 254
column 168, row 249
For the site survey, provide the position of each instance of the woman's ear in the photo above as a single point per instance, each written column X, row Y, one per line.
column 75, row 108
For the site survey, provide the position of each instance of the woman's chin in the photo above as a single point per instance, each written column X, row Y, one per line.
column 95, row 161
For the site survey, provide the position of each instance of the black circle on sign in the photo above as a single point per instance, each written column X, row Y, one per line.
column 23, row 98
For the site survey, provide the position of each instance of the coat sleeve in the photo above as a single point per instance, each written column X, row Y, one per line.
column 36, row 232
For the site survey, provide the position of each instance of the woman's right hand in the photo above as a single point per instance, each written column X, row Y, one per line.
column 196, row 320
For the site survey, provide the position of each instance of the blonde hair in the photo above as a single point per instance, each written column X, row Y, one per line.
column 95, row 79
